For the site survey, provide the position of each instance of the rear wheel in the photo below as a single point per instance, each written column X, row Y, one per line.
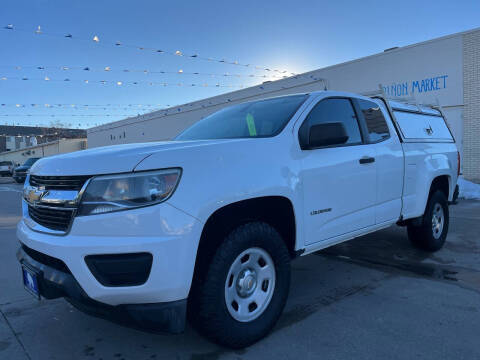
column 431, row 233
column 246, row 286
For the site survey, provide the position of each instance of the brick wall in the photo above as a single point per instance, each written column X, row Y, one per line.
column 471, row 100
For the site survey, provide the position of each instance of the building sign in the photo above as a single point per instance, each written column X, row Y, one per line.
column 410, row 88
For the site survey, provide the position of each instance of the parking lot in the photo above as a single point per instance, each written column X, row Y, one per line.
column 374, row 297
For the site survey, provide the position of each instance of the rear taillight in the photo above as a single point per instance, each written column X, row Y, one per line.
column 458, row 163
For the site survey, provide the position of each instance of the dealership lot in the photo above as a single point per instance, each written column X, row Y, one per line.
column 373, row 297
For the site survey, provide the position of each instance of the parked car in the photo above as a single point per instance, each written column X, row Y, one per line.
column 6, row 168
column 20, row 172
column 211, row 220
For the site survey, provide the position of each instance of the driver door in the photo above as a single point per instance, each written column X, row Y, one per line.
column 339, row 180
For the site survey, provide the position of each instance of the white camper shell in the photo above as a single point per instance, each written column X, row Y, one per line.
column 419, row 123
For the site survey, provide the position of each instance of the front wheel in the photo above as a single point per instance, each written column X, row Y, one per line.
column 431, row 234
column 246, row 286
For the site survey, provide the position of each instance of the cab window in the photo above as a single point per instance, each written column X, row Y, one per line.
column 376, row 123
column 333, row 110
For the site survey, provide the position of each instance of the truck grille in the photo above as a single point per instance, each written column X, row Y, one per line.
column 51, row 218
column 59, row 182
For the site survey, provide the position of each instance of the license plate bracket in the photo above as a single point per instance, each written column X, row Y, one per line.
column 30, row 281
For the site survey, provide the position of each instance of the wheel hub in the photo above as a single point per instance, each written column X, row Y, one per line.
column 437, row 221
column 250, row 284
column 246, row 282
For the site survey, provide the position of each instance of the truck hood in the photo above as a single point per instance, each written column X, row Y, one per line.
column 22, row 168
column 114, row 159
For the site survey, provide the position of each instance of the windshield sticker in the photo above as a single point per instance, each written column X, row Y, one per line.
column 251, row 125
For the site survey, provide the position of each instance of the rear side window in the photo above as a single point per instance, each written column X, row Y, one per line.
column 331, row 111
column 422, row 126
column 376, row 124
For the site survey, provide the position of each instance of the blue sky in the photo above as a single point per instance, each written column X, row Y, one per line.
column 293, row 35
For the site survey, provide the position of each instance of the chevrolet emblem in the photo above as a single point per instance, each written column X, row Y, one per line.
column 33, row 194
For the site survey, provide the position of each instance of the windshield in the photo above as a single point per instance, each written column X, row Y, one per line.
column 30, row 161
column 262, row 118
column 3, row 163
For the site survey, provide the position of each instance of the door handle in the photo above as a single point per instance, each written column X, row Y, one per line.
column 366, row 160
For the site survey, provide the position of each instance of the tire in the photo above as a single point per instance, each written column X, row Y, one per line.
column 249, row 253
column 431, row 234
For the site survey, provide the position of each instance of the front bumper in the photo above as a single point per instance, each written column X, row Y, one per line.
column 167, row 233
column 20, row 177
column 54, row 283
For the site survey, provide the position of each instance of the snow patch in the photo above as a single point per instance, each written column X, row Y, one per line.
column 468, row 189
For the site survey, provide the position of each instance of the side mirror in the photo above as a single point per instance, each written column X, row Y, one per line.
column 326, row 135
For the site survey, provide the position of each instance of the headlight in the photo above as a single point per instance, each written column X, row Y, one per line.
column 128, row 191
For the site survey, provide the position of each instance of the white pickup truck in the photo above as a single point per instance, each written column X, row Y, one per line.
column 209, row 222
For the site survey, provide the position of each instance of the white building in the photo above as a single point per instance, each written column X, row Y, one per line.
column 60, row 146
column 444, row 70
column 19, row 142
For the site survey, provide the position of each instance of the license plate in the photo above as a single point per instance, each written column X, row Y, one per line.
column 30, row 281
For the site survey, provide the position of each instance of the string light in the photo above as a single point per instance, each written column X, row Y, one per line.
column 158, row 113
column 96, row 39
column 64, row 105
column 63, row 115
column 49, row 128
column 86, row 109
column 145, row 71
column 117, row 82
